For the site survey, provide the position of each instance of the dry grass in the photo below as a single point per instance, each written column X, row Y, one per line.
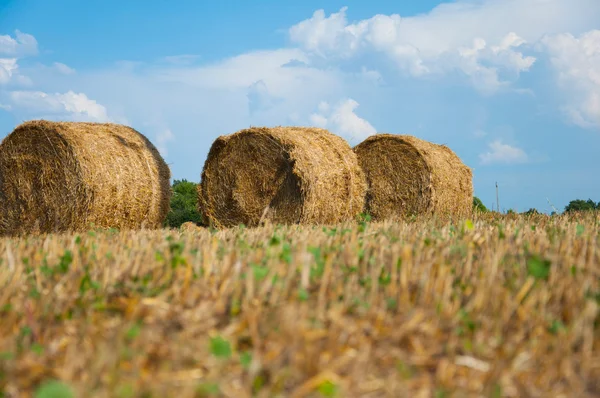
column 67, row 176
column 286, row 175
column 504, row 306
column 409, row 176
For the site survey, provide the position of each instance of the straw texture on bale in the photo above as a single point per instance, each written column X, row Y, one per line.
column 286, row 175
column 409, row 176
column 69, row 176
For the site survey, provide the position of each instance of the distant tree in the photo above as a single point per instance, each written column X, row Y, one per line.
column 478, row 205
column 581, row 205
column 183, row 204
column 511, row 211
column 531, row 212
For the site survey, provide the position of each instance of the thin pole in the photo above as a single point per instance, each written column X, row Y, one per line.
column 497, row 201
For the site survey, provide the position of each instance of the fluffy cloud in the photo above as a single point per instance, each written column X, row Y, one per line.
column 464, row 36
column 75, row 106
column 503, row 153
column 64, row 69
column 342, row 120
column 275, row 85
column 8, row 66
column 240, row 71
column 471, row 61
column 577, row 63
column 10, row 74
column 11, row 49
column 260, row 98
column 416, row 45
column 318, row 120
column 21, row 45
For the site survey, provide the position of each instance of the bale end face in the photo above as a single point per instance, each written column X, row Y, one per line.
column 70, row 176
column 408, row 176
column 285, row 175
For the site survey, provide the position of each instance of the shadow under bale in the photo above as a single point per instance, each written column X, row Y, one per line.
column 71, row 176
column 285, row 175
column 408, row 176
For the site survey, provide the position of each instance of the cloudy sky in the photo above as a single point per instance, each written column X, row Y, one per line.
column 512, row 86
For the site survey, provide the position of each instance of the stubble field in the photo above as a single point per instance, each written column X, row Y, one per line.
column 493, row 307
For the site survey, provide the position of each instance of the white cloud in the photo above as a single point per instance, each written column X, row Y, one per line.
column 323, row 107
column 8, row 67
column 342, row 120
column 486, row 40
column 577, row 63
column 275, row 85
column 11, row 49
column 161, row 141
column 372, row 76
column 486, row 79
column 240, row 71
column 23, row 44
column 76, row 106
column 503, row 153
column 348, row 123
column 260, row 98
column 318, row 120
column 322, row 35
column 64, row 69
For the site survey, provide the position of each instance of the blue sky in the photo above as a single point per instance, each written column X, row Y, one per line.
column 512, row 86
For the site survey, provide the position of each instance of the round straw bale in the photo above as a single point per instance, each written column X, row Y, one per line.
column 285, row 175
column 69, row 176
column 189, row 226
column 409, row 176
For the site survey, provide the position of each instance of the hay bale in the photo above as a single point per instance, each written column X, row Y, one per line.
column 409, row 176
column 189, row 226
column 68, row 176
column 285, row 175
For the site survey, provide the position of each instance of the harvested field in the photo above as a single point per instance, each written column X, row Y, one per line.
column 285, row 175
column 408, row 176
column 497, row 307
column 68, row 176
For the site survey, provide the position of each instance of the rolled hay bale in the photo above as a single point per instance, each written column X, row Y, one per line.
column 286, row 175
column 409, row 176
column 189, row 226
column 70, row 176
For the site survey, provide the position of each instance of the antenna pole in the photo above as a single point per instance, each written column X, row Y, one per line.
column 497, row 201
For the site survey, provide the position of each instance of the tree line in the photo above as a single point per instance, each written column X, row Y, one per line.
column 573, row 206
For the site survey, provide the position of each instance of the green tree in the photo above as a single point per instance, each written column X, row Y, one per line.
column 184, row 204
column 531, row 212
column 581, row 205
column 478, row 205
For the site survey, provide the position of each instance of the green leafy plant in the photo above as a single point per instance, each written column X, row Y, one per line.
column 184, row 204
column 478, row 205
column 220, row 347
column 328, row 389
column 538, row 267
column 54, row 389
